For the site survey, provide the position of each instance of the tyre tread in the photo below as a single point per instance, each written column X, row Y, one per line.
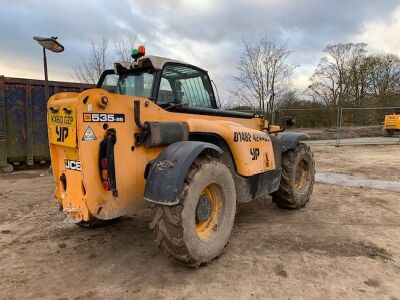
column 285, row 197
column 167, row 223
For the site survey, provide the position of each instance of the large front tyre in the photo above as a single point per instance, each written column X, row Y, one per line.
column 297, row 180
column 196, row 230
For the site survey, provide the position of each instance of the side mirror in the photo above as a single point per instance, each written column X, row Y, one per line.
column 289, row 121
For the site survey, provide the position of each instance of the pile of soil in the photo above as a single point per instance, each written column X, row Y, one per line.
column 346, row 132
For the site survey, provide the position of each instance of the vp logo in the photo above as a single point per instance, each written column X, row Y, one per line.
column 62, row 133
column 255, row 153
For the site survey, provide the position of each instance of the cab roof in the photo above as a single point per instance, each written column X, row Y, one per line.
column 150, row 61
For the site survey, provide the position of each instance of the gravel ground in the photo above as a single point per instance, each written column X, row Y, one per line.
column 344, row 244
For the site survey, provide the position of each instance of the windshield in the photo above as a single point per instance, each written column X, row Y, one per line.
column 137, row 84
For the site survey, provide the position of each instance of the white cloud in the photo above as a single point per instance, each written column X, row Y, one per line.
column 206, row 33
column 301, row 77
column 383, row 35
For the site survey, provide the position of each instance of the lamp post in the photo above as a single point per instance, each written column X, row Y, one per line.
column 52, row 45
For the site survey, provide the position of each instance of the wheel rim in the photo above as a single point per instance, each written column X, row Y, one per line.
column 301, row 175
column 208, row 212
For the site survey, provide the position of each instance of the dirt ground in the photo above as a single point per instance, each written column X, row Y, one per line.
column 344, row 244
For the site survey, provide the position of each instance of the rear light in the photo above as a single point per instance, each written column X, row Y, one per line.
column 103, row 163
column 106, row 185
column 104, row 174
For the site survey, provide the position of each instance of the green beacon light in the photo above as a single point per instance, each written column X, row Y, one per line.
column 134, row 52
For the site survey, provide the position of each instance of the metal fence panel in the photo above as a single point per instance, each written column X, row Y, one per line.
column 339, row 124
column 363, row 117
column 308, row 117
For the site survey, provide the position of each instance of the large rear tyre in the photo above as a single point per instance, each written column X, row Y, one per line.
column 297, row 181
column 196, row 230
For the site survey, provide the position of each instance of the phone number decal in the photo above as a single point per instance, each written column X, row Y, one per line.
column 94, row 117
column 249, row 137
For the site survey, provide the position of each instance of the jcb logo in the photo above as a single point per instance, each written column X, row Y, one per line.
column 73, row 165
column 62, row 133
column 255, row 153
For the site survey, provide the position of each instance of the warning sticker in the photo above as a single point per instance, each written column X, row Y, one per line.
column 89, row 135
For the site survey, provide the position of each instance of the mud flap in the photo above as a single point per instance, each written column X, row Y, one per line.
column 166, row 174
column 289, row 140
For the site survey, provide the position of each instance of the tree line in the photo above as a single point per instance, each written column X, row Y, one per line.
column 346, row 76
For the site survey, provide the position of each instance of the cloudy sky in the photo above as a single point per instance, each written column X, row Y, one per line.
column 207, row 33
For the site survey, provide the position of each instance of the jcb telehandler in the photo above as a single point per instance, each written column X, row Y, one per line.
column 151, row 134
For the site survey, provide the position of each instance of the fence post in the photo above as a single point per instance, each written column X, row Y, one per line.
column 4, row 166
column 338, row 126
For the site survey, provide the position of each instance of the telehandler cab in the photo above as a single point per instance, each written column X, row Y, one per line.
column 151, row 133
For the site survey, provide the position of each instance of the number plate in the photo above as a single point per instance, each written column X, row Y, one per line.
column 62, row 128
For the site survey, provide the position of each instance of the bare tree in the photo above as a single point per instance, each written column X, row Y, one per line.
column 358, row 78
column 384, row 78
column 264, row 75
column 122, row 47
column 347, row 76
column 330, row 82
column 101, row 56
column 98, row 59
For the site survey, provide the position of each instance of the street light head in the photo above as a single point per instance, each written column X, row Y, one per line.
column 49, row 43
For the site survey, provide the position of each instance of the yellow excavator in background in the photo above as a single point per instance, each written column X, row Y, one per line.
column 391, row 124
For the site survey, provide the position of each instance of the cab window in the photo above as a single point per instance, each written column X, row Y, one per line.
column 186, row 85
column 165, row 94
column 138, row 83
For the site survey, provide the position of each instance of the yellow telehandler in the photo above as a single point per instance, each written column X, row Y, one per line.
column 151, row 134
